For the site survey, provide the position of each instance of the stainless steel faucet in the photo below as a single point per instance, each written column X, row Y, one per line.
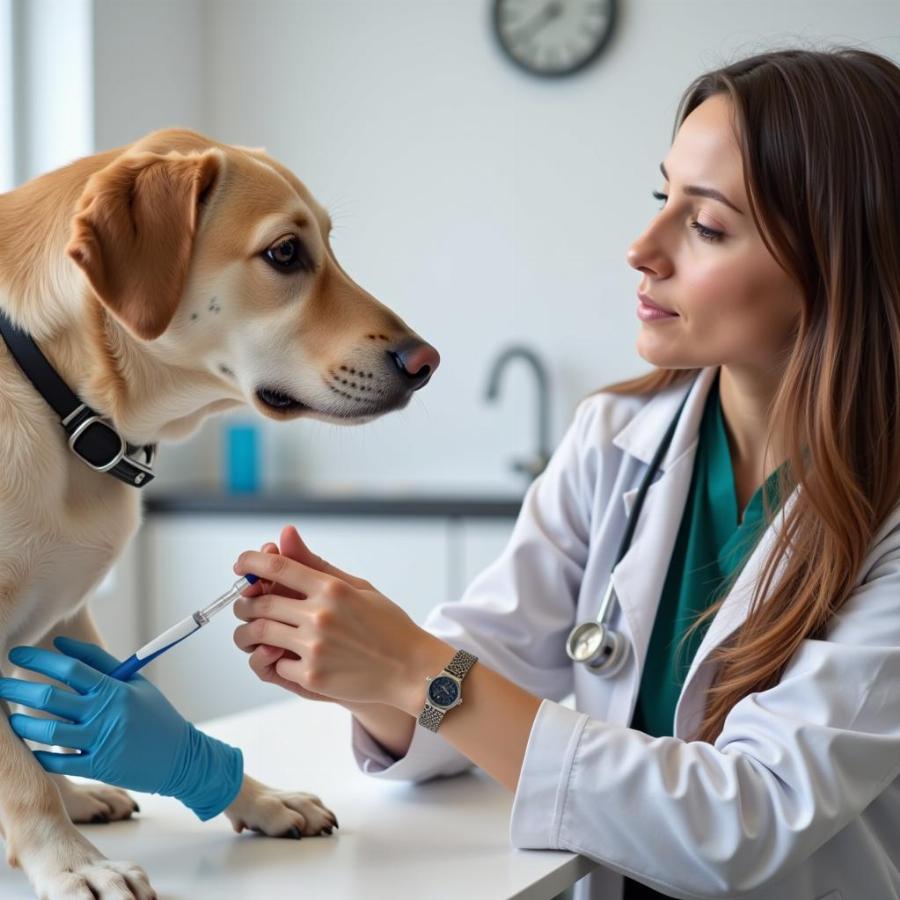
column 534, row 466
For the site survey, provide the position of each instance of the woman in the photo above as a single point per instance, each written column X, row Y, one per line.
column 750, row 742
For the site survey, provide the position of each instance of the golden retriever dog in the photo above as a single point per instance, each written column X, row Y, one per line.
column 165, row 281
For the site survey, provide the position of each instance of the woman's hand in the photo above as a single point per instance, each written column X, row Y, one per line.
column 330, row 634
column 263, row 657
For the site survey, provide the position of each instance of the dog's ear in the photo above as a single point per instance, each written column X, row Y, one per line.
column 133, row 235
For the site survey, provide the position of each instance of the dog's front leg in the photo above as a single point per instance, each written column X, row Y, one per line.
column 92, row 802
column 60, row 862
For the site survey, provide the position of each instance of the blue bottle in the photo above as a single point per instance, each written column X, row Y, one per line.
column 242, row 455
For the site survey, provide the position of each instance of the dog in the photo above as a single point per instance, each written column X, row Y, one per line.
column 165, row 281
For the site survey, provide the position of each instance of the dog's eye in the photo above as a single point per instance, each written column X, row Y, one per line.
column 289, row 254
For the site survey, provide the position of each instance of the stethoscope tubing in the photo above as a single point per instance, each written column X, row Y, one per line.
column 612, row 664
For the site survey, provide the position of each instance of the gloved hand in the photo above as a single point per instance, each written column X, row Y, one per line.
column 129, row 735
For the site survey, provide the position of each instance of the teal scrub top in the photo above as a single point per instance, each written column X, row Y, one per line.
column 711, row 546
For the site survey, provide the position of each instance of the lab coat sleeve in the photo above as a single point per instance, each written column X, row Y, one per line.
column 792, row 766
column 515, row 616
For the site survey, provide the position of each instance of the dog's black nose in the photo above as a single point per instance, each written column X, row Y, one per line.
column 416, row 361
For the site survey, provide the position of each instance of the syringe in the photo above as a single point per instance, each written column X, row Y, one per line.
column 177, row 633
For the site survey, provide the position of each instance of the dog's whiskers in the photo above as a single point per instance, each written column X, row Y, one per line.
column 367, row 401
column 354, row 384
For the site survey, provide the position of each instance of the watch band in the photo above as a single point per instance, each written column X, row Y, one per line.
column 460, row 664
column 432, row 716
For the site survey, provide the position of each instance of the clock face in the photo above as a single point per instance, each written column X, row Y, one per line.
column 553, row 37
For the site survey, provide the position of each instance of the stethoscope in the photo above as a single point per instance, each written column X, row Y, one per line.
column 595, row 644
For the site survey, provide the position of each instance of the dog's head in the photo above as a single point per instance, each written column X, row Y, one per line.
column 217, row 259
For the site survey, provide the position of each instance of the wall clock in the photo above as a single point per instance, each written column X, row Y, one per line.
column 553, row 38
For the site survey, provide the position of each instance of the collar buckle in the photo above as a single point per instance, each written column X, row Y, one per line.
column 96, row 444
column 95, row 441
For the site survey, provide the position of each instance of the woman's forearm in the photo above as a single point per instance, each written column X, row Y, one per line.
column 391, row 727
column 491, row 726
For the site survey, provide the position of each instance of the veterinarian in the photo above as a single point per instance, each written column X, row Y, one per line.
column 735, row 660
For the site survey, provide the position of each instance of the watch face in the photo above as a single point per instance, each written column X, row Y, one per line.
column 443, row 691
column 553, row 37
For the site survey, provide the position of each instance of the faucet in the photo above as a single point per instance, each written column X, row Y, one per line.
column 534, row 466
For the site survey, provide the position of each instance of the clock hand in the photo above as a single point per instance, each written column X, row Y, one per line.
column 551, row 11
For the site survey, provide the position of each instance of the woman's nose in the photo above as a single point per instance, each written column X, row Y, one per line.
column 646, row 255
column 417, row 361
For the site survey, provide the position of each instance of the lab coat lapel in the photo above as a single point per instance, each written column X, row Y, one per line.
column 640, row 576
column 730, row 616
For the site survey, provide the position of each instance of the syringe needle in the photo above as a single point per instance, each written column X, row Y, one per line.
column 202, row 616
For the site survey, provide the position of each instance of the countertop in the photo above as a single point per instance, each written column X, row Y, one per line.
column 390, row 504
column 440, row 840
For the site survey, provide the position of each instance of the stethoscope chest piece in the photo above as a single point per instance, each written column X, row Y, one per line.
column 600, row 648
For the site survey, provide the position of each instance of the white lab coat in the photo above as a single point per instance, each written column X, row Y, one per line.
column 798, row 799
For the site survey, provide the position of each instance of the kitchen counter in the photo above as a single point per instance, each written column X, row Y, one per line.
column 413, row 504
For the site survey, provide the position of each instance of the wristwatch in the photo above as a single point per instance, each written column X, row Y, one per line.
column 445, row 690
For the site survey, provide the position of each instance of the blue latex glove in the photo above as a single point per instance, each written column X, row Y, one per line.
column 129, row 735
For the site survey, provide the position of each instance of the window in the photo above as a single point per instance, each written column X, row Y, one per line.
column 7, row 130
column 46, row 86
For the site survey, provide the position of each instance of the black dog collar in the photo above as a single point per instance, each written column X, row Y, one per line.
column 92, row 438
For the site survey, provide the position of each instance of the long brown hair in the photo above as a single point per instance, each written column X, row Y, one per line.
column 819, row 134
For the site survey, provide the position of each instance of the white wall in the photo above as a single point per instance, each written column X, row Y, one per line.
column 148, row 67
column 484, row 205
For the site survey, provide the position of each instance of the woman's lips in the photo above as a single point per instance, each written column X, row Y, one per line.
column 648, row 311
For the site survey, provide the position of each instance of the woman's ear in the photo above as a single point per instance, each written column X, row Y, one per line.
column 133, row 235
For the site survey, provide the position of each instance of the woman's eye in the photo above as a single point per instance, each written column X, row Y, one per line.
column 707, row 234
column 289, row 254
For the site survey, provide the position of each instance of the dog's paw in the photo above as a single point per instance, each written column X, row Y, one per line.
column 69, row 867
column 86, row 803
column 275, row 813
column 100, row 879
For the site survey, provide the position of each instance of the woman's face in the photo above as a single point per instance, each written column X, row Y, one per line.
column 703, row 259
